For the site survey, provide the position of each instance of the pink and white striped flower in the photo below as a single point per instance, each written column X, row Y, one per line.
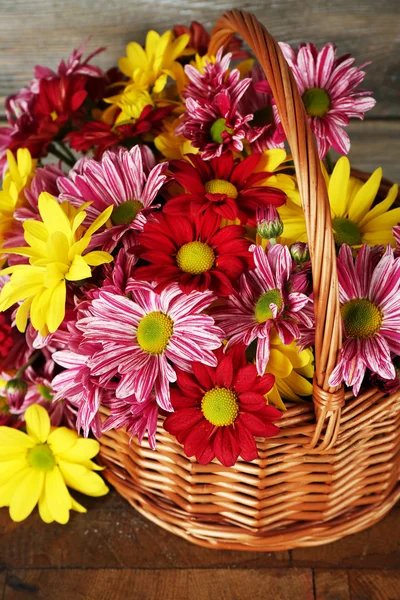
column 263, row 302
column 142, row 338
column 265, row 129
column 137, row 418
column 213, row 79
column 127, row 179
column 370, row 307
column 327, row 84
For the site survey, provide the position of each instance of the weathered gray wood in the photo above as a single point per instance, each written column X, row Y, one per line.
column 44, row 31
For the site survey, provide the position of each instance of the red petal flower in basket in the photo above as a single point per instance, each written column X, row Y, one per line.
column 230, row 188
column 200, row 38
column 219, row 410
column 193, row 252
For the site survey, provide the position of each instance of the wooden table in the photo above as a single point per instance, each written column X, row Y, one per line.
column 112, row 553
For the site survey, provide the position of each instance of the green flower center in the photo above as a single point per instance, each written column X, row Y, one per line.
column 219, row 406
column 345, row 232
column 221, row 186
column 263, row 116
column 125, row 213
column 362, row 318
column 262, row 309
column 41, row 457
column 154, row 332
column 45, row 392
column 217, row 128
column 317, row 102
column 195, row 257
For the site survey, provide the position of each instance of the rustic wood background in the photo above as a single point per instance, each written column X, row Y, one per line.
column 44, row 31
column 112, row 552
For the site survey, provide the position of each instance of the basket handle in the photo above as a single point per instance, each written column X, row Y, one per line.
column 328, row 401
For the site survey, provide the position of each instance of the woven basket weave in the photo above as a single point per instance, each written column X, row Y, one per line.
column 334, row 468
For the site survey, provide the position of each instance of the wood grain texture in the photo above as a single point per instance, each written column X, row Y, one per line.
column 44, row 31
column 111, row 535
column 331, row 585
column 224, row 584
column 374, row 585
column 378, row 547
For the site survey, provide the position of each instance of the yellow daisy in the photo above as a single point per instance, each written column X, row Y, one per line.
column 36, row 467
column 293, row 372
column 56, row 247
column 355, row 220
column 16, row 179
column 148, row 68
column 171, row 145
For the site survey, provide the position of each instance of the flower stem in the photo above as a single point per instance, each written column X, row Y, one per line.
column 28, row 364
column 329, row 162
column 66, row 150
column 59, row 154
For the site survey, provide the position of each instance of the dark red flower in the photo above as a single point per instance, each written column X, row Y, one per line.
column 200, row 39
column 101, row 136
column 225, row 186
column 60, row 99
column 193, row 252
column 6, row 341
column 220, row 410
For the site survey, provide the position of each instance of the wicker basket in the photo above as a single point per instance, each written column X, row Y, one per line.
column 334, row 468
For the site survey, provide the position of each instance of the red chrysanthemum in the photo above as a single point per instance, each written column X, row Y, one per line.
column 230, row 188
column 6, row 340
column 219, row 410
column 200, row 39
column 100, row 136
column 193, row 252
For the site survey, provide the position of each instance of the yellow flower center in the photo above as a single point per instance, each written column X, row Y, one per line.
column 263, row 116
column 262, row 310
column 195, row 257
column 317, row 102
column 154, row 332
column 217, row 128
column 362, row 318
column 219, row 406
column 125, row 213
column 221, row 186
column 346, row 232
column 41, row 457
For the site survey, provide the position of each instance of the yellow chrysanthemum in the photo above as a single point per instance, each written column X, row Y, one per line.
column 355, row 220
column 131, row 101
column 36, row 467
column 148, row 68
column 293, row 372
column 171, row 145
column 276, row 161
column 17, row 177
column 55, row 250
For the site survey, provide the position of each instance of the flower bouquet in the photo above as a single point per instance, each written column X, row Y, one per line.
column 180, row 287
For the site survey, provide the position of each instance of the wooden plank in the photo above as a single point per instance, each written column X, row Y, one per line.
column 112, row 534
column 377, row 547
column 44, row 31
column 2, row 582
column 331, row 585
column 376, row 143
column 109, row 584
column 374, row 585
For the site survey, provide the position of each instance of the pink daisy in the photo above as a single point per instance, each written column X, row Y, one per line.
column 124, row 178
column 137, row 418
column 215, row 78
column 265, row 129
column 263, row 302
column 216, row 126
column 327, row 84
column 370, row 307
column 141, row 338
